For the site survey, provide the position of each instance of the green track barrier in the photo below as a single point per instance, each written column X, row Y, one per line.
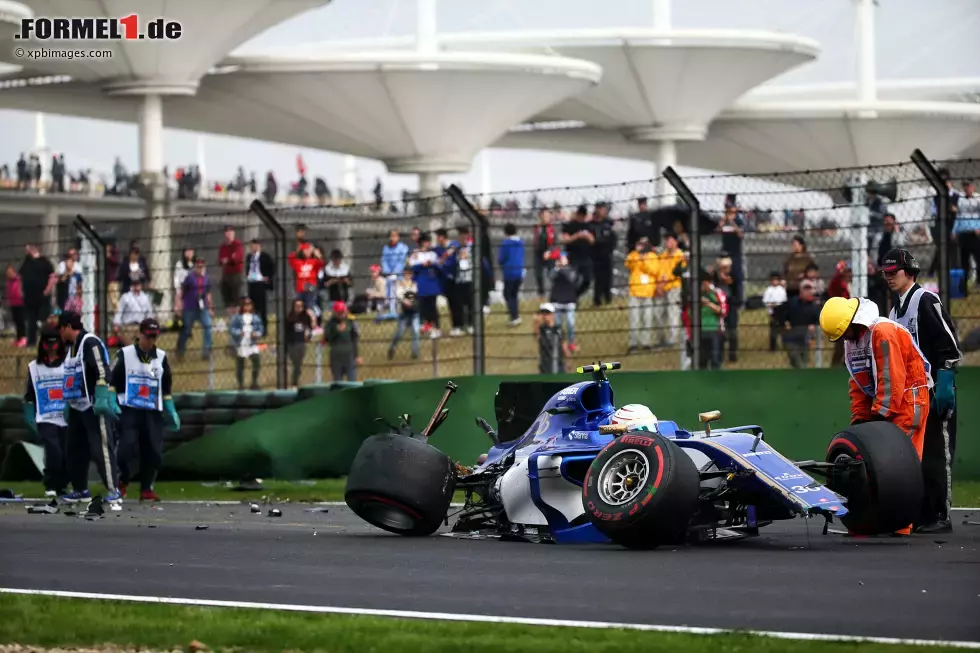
column 319, row 436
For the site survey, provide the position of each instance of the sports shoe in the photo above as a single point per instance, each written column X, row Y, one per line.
column 941, row 525
column 455, row 332
column 148, row 495
column 515, row 322
column 114, row 499
column 435, row 334
column 77, row 496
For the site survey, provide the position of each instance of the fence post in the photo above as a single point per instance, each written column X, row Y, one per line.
column 281, row 286
column 101, row 276
column 694, row 265
column 478, row 224
column 942, row 219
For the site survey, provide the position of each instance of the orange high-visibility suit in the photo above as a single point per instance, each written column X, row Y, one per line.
column 889, row 379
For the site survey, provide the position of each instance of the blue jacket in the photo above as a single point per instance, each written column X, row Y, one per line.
column 449, row 265
column 393, row 258
column 428, row 279
column 510, row 257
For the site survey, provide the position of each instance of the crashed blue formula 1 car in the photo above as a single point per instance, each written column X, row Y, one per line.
column 578, row 470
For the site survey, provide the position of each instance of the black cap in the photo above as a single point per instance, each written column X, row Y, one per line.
column 50, row 335
column 150, row 327
column 899, row 259
column 70, row 319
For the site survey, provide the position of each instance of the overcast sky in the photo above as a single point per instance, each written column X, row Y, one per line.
column 916, row 39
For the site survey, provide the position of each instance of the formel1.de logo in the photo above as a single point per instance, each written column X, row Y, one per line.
column 127, row 28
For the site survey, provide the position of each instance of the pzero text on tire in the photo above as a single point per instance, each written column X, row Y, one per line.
column 886, row 494
column 401, row 484
column 641, row 491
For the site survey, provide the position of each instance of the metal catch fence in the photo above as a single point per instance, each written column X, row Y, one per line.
column 511, row 283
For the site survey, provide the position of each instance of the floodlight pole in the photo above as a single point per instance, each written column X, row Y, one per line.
column 864, row 37
column 661, row 14
column 425, row 26
column 938, row 184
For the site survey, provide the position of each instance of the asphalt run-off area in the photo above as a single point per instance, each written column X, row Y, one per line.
column 790, row 579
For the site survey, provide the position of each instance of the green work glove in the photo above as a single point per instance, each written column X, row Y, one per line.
column 102, row 406
column 171, row 412
column 945, row 392
column 29, row 417
column 114, row 406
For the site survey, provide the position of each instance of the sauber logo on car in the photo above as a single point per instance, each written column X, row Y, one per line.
column 788, row 477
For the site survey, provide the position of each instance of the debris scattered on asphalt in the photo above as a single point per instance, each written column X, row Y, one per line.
column 860, row 582
column 314, row 533
column 254, row 508
column 202, row 527
column 971, row 523
column 70, row 513
column 151, row 525
column 42, row 510
column 156, row 508
column 924, row 592
column 324, row 510
column 275, row 512
column 940, row 541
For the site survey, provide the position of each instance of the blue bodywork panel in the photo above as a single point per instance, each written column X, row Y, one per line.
column 568, row 425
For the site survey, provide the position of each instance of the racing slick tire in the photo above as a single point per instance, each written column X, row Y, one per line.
column 641, row 491
column 886, row 496
column 401, row 484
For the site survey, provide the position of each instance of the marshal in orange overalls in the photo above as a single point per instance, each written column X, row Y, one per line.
column 889, row 379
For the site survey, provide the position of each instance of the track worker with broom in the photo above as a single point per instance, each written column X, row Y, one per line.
column 889, row 375
column 91, row 412
column 143, row 382
column 44, row 408
column 922, row 313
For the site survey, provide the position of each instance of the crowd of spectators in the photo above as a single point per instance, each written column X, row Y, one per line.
column 413, row 277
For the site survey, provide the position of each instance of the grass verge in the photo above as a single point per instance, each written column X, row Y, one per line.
column 30, row 620
column 965, row 493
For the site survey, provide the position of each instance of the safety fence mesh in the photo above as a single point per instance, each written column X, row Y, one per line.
column 608, row 262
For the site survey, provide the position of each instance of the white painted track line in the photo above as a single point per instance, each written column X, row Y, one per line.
column 445, row 616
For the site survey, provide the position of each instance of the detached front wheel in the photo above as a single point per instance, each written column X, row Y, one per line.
column 885, row 495
column 401, row 485
column 641, row 491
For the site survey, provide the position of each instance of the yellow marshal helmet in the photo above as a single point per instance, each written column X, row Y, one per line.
column 838, row 314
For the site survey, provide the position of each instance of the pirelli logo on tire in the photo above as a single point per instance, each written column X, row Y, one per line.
column 638, row 440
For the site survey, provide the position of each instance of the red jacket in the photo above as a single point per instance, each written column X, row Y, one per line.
column 837, row 287
column 306, row 270
column 235, row 255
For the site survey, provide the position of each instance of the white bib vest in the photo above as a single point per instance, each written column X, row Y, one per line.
column 144, row 381
column 859, row 358
column 911, row 318
column 75, row 381
column 48, row 389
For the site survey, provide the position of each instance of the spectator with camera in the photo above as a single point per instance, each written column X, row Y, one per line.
column 408, row 318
